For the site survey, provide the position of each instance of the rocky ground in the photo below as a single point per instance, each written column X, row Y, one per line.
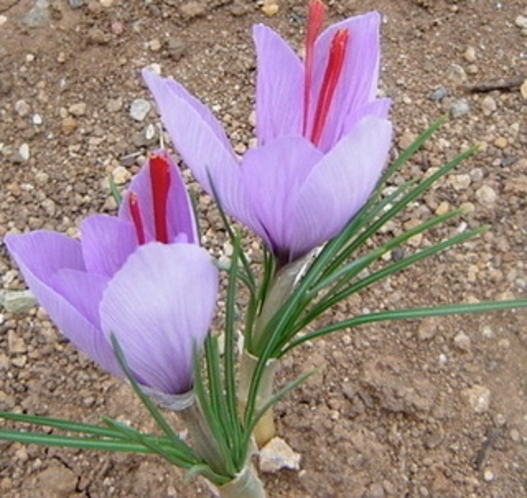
column 432, row 408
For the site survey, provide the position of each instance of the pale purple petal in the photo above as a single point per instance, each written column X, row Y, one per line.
column 106, row 243
column 378, row 108
column 358, row 81
column 272, row 175
column 180, row 216
column 279, row 84
column 340, row 184
column 83, row 292
column 205, row 155
column 47, row 261
column 159, row 307
column 161, row 88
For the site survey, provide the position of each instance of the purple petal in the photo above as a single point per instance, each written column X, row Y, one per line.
column 53, row 268
column 162, row 87
column 106, row 243
column 279, row 86
column 358, row 81
column 159, row 306
column 340, row 184
column 179, row 209
column 272, row 175
column 206, row 155
column 84, row 293
column 378, row 108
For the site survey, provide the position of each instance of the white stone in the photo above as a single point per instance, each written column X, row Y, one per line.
column 521, row 22
column 23, row 150
column 276, row 455
column 460, row 182
column 462, row 341
column 78, row 109
column 478, row 397
column 486, row 195
column 139, row 109
column 121, row 175
column 22, row 108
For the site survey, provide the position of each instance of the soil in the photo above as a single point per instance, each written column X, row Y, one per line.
column 431, row 408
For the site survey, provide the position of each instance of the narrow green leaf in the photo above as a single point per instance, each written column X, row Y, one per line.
column 149, row 405
column 114, row 191
column 84, row 443
column 410, row 314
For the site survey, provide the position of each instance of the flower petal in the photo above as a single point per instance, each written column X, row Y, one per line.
column 106, row 243
column 358, row 81
column 159, row 307
column 279, row 85
column 379, row 108
column 179, row 209
column 340, row 184
column 272, row 175
column 206, row 155
column 53, row 268
column 162, row 88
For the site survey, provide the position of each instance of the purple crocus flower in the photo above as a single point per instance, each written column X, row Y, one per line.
column 323, row 138
column 129, row 275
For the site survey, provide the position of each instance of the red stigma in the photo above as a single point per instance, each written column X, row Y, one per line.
column 160, row 180
column 315, row 17
column 133, row 205
column 332, row 74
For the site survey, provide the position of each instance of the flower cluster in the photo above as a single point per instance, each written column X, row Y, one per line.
column 141, row 276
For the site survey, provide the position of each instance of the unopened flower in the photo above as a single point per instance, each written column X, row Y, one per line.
column 138, row 276
column 323, row 138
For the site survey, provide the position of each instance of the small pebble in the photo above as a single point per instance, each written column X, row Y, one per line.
column 150, row 132
column 456, row 74
column 68, row 125
column 459, row 108
column 523, row 90
column 462, row 342
column 488, row 105
column 470, row 54
column 117, row 28
column 501, row 142
column 488, row 476
column 486, row 195
column 276, row 455
column 121, row 175
column 36, row 119
column 22, row 108
column 23, row 150
column 78, row 109
column 478, row 397
column 114, row 105
column 439, row 94
column 270, row 7
column 521, row 22
column 139, row 109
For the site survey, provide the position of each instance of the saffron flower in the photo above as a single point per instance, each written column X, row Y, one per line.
column 323, row 137
column 138, row 275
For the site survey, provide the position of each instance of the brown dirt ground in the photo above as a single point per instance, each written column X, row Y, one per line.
column 390, row 414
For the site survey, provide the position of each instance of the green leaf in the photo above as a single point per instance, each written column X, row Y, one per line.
column 412, row 313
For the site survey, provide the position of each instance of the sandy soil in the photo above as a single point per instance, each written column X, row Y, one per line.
column 436, row 408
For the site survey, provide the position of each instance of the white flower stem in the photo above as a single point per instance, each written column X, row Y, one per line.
column 264, row 430
column 281, row 288
column 246, row 485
